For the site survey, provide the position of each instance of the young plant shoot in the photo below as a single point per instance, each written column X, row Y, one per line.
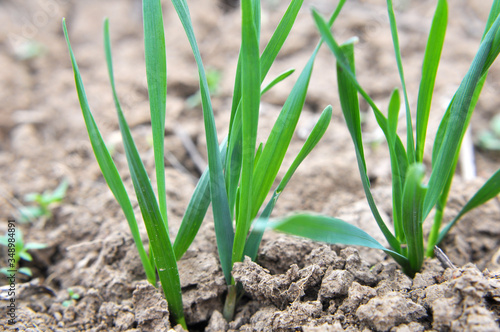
column 18, row 253
column 413, row 199
column 239, row 175
column 153, row 207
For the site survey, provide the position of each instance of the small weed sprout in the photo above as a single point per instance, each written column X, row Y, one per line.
column 45, row 202
column 412, row 198
column 72, row 298
column 18, row 252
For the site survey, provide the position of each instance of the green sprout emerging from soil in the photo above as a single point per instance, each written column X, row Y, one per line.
column 240, row 172
column 17, row 252
column 413, row 199
column 72, row 298
column 44, row 203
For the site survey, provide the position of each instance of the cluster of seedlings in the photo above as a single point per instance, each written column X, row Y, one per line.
column 242, row 171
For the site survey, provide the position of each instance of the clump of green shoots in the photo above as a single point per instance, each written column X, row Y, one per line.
column 18, row 252
column 413, row 199
column 239, row 175
column 72, row 298
column 44, row 203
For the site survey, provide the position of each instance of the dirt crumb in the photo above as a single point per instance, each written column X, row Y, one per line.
column 216, row 323
column 150, row 308
column 278, row 289
column 463, row 305
column 392, row 309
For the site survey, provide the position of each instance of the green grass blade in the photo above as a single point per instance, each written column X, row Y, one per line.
column 410, row 143
column 233, row 163
column 250, row 103
column 343, row 62
column 107, row 165
column 329, row 230
column 413, row 199
column 256, row 17
column 220, row 206
column 459, row 114
column 164, row 256
column 399, row 164
column 195, row 211
column 278, row 79
column 233, row 160
column 441, row 202
column 429, row 71
column 494, row 11
column 488, row 191
column 156, row 73
column 350, row 108
column 279, row 139
column 255, row 237
column 279, row 36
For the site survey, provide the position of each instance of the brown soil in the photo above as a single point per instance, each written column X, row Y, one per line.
column 298, row 285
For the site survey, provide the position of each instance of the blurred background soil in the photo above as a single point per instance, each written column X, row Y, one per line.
column 43, row 139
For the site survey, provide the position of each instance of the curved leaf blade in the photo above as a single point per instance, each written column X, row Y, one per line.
column 255, row 237
column 488, row 191
column 156, row 75
column 329, row 230
column 155, row 222
column 413, row 199
column 107, row 165
column 429, row 70
column 220, row 205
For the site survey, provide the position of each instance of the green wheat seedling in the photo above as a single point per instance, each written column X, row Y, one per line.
column 239, row 175
column 241, row 172
column 153, row 207
column 412, row 198
column 17, row 250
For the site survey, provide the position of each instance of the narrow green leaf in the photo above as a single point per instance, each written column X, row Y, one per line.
column 350, row 107
column 488, row 191
column 399, row 164
column 255, row 237
column 156, row 73
column 278, row 79
column 195, row 211
column 410, row 150
column 329, row 230
column 441, row 202
column 154, row 221
column 280, row 137
column 459, row 113
column 279, row 36
column 233, row 163
column 343, row 62
column 393, row 114
column 107, row 165
column 220, row 206
column 429, row 71
column 250, row 102
column 413, row 199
